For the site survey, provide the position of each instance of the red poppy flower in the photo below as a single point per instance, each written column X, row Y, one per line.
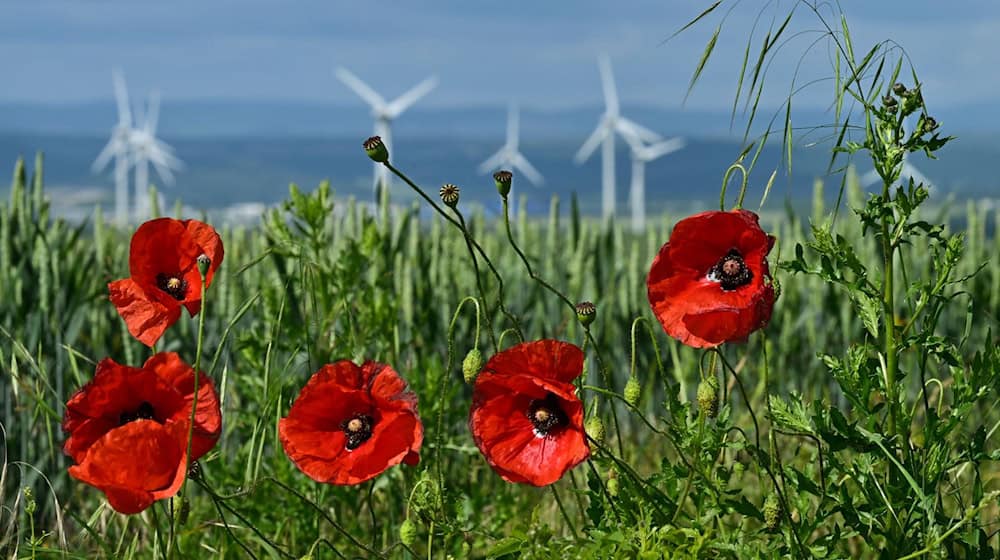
column 128, row 429
column 526, row 418
column 710, row 282
column 350, row 423
column 163, row 268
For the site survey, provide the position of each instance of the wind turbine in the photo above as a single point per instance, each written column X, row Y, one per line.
column 642, row 154
column 611, row 123
column 146, row 149
column 118, row 147
column 509, row 155
column 384, row 113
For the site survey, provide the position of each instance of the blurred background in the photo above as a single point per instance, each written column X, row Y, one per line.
column 250, row 100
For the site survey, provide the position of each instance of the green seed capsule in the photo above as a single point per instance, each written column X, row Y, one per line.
column 376, row 149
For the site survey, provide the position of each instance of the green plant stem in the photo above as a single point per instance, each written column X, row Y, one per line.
column 606, row 378
column 527, row 264
column 194, row 409
column 443, row 391
column 479, row 280
column 888, row 303
column 562, row 509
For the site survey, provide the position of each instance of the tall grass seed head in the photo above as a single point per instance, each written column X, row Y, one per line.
column 772, row 512
column 632, row 391
column 586, row 312
column 471, row 365
column 449, row 194
column 708, row 397
column 376, row 149
column 503, row 179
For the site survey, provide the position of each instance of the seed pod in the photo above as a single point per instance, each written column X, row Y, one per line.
column 586, row 312
column 632, row 391
column 471, row 365
column 772, row 512
column 899, row 89
column 503, row 180
column 408, row 532
column 595, row 428
column 449, row 194
column 708, row 398
column 203, row 263
column 376, row 149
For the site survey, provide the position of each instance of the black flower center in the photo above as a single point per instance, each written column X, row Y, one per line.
column 172, row 284
column 357, row 430
column 546, row 415
column 731, row 271
column 144, row 412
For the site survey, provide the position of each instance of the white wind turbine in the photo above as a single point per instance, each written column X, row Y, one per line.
column 611, row 123
column 119, row 147
column 384, row 113
column 509, row 154
column 642, row 154
column 146, row 149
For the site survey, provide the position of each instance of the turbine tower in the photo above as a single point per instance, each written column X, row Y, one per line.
column 610, row 124
column 146, row 149
column 509, row 155
column 384, row 112
column 641, row 155
column 118, row 147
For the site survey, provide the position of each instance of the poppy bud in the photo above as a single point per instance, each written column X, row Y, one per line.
column 632, row 391
column 203, row 263
column 595, row 428
column 772, row 512
column 471, row 365
column 408, row 532
column 613, row 483
column 586, row 312
column 181, row 509
column 449, row 194
column 376, row 149
column 708, row 398
column 503, row 179
column 899, row 89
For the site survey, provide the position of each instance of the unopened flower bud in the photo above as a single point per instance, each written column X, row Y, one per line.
column 613, row 483
column 586, row 312
column 889, row 101
column 595, row 428
column 503, row 179
column 408, row 532
column 449, row 194
column 632, row 391
column 471, row 365
column 203, row 263
column 376, row 149
column 708, row 398
column 899, row 89
column 772, row 512
column 930, row 124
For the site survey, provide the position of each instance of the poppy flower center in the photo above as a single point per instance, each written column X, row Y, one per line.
column 731, row 272
column 357, row 430
column 173, row 285
column 546, row 415
column 144, row 412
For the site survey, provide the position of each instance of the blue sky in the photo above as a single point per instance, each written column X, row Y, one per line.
column 487, row 52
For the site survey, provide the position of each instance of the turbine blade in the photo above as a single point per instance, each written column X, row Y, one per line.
column 608, row 84
column 121, row 98
column 628, row 126
column 913, row 173
column 152, row 112
column 870, row 178
column 162, row 171
column 404, row 101
column 360, row 88
column 494, row 162
column 663, row 148
column 105, row 156
column 529, row 171
column 591, row 144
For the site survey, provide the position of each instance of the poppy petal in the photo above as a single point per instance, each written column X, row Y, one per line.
column 145, row 318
